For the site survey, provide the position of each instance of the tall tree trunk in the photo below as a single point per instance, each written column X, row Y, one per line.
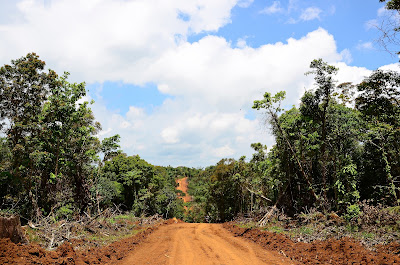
column 324, row 159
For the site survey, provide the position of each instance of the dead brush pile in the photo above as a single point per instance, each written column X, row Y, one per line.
column 77, row 251
column 86, row 231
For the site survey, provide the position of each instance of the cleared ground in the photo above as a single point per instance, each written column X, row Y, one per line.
column 185, row 243
column 183, row 186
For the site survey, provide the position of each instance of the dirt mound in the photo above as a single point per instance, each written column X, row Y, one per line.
column 10, row 227
column 69, row 252
column 332, row 251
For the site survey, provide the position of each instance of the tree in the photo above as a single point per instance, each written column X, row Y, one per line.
column 379, row 104
column 50, row 137
column 273, row 110
column 317, row 146
column 24, row 88
column 110, row 147
column 323, row 95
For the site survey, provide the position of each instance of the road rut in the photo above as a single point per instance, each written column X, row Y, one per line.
column 188, row 244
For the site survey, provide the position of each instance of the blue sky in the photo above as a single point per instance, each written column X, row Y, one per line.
column 176, row 79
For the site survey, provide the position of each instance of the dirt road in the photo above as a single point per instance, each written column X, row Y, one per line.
column 183, row 186
column 188, row 244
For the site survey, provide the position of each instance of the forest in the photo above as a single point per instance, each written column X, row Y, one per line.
column 338, row 148
column 53, row 164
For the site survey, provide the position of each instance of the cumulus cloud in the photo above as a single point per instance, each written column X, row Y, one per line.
column 223, row 73
column 105, row 37
column 391, row 67
column 351, row 74
column 241, row 43
column 224, row 151
column 170, row 135
column 214, row 85
column 212, row 82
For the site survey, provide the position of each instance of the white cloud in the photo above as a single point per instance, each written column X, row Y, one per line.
column 213, row 82
column 272, row 9
column 245, row 3
column 371, row 24
column 310, row 13
column 222, row 73
column 170, row 135
column 382, row 11
column 104, row 132
column 241, row 43
column 346, row 56
column 391, row 67
column 106, row 39
column 135, row 112
column 213, row 86
column 305, row 14
column 124, row 125
column 386, row 19
column 365, row 46
column 224, row 151
column 351, row 74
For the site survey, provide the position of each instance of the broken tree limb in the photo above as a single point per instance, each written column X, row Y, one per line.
column 262, row 196
column 267, row 216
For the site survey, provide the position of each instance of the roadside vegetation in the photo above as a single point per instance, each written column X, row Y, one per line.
column 332, row 152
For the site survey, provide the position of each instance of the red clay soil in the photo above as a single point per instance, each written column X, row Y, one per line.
column 182, row 243
column 11, row 253
column 183, row 186
column 343, row 251
column 189, row 244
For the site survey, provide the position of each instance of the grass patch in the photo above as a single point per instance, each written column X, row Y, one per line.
column 306, row 230
column 276, row 229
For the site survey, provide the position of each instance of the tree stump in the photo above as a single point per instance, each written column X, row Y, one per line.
column 10, row 227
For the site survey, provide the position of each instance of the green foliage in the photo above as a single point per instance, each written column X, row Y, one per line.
column 65, row 212
column 379, row 105
column 352, row 213
column 141, row 187
column 110, row 146
column 326, row 147
column 392, row 4
column 276, row 229
column 327, row 154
